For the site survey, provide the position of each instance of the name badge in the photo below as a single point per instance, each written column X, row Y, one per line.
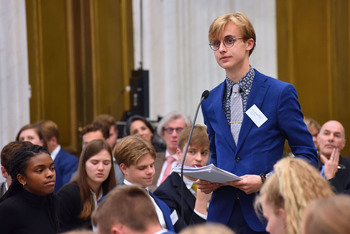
column 174, row 218
column 256, row 115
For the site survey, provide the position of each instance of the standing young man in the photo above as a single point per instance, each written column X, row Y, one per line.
column 249, row 116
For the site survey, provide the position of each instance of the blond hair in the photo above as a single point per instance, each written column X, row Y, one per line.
column 293, row 184
column 199, row 137
column 311, row 123
column 208, row 228
column 240, row 19
column 131, row 148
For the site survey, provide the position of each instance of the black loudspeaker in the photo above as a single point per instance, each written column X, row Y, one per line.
column 139, row 93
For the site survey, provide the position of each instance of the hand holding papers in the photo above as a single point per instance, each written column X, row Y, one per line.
column 210, row 173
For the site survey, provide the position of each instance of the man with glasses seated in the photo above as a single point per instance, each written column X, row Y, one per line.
column 334, row 168
column 168, row 128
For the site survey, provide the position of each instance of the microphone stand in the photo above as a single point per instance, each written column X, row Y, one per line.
column 205, row 94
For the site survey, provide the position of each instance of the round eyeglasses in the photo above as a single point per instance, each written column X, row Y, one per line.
column 228, row 42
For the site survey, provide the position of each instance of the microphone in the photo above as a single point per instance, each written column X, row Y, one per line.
column 205, row 94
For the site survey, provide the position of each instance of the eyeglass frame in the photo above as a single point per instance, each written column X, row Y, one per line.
column 170, row 131
column 223, row 42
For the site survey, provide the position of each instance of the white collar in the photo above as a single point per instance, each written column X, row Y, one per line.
column 126, row 182
column 55, row 152
column 187, row 182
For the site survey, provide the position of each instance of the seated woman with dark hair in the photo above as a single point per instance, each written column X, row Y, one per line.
column 140, row 126
column 78, row 199
column 29, row 206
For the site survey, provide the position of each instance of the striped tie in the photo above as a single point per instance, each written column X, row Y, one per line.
column 236, row 112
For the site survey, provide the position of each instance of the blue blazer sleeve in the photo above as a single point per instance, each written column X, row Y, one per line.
column 166, row 212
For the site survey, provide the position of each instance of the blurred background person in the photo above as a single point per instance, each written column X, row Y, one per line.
column 111, row 124
column 140, row 126
column 94, row 131
column 327, row 216
column 313, row 127
column 65, row 163
column 32, row 134
column 168, row 128
column 7, row 154
column 98, row 130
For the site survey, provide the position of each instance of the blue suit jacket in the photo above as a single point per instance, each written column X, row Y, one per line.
column 259, row 148
column 165, row 210
column 65, row 165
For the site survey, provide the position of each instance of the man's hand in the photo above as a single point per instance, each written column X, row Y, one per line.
column 207, row 186
column 248, row 184
column 331, row 164
column 202, row 201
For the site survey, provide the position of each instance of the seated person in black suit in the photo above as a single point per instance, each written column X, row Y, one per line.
column 195, row 202
column 126, row 209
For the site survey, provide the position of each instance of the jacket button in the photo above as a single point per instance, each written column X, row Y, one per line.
column 238, row 159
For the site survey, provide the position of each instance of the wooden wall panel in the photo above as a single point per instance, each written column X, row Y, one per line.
column 313, row 54
column 80, row 58
column 48, row 66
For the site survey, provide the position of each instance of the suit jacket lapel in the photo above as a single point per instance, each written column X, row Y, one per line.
column 256, row 96
column 188, row 196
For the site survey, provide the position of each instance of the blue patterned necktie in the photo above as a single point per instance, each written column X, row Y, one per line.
column 236, row 112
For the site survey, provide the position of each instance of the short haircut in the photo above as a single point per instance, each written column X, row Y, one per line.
column 199, row 137
column 127, row 205
column 131, row 148
column 9, row 151
column 327, row 215
column 169, row 117
column 94, row 127
column 107, row 120
column 48, row 128
column 239, row 19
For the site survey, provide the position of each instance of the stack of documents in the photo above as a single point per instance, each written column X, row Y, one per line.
column 210, row 173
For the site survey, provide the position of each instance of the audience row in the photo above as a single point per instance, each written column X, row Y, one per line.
column 54, row 191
